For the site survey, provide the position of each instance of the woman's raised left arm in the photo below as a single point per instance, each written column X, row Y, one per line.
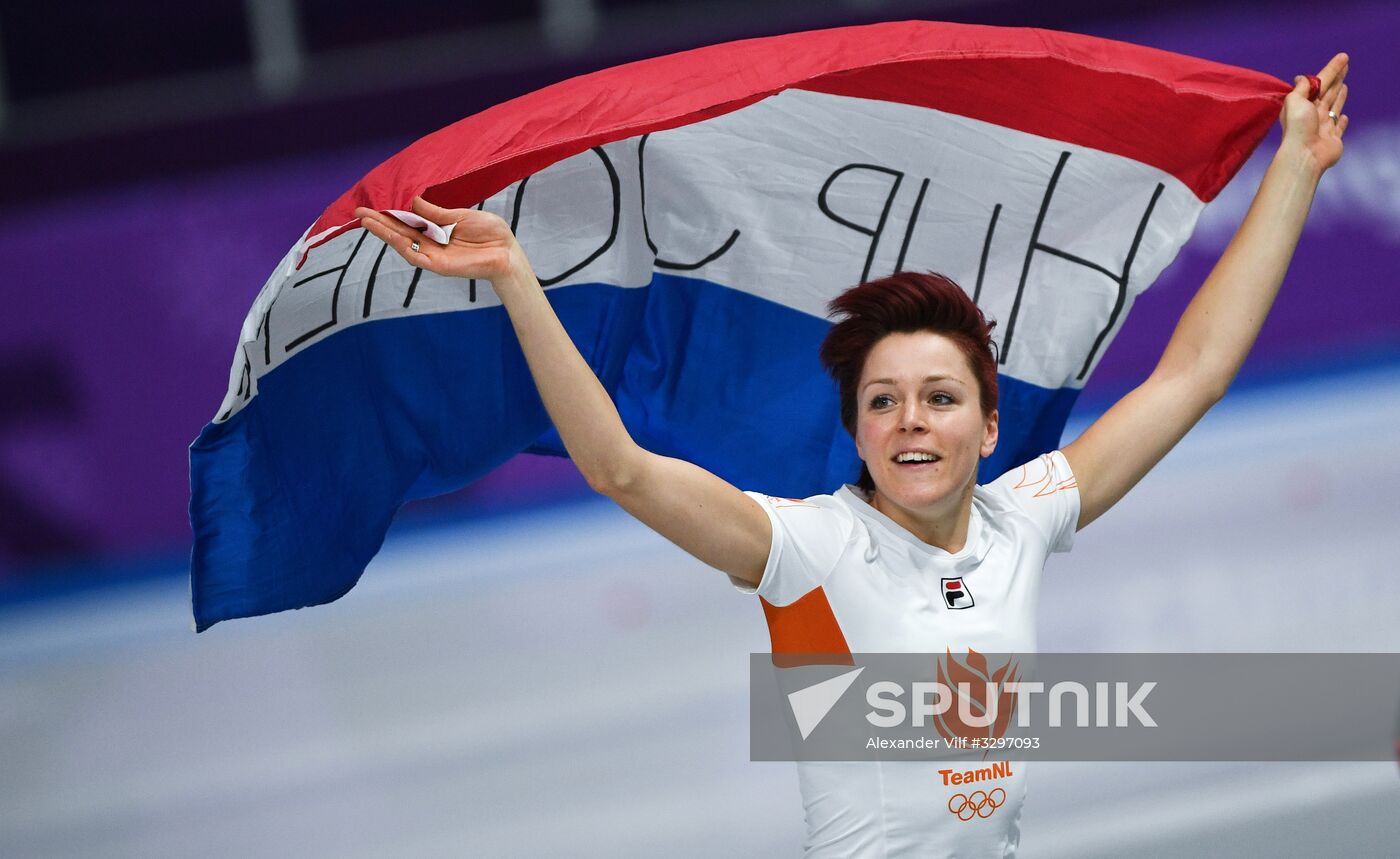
column 1220, row 325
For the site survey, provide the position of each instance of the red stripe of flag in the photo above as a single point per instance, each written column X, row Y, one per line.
column 1195, row 119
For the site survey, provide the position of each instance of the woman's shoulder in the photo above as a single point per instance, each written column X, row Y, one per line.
column 1035, row 478
column 829, row 510
column 1042, row 491
column 810, row 535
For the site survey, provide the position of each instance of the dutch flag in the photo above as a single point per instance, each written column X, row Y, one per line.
column 690, row 216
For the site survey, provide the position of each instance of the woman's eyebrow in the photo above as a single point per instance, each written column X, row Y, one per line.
column 927, row 379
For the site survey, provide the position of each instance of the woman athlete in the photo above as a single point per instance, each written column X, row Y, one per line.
column 889, row 565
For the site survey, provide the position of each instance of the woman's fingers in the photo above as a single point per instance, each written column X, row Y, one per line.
column 401, row 241
column 381, row 231
column 391, row 223
column 1333, row 72
column 399, row 236
column 1329, row 98
column 1302, row 86
column 434, row 212
column 386, row 222
column 1341, row 100
column 474, row 250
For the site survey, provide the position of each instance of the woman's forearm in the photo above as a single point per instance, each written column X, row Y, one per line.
column 583, row 413
column 1221, row 323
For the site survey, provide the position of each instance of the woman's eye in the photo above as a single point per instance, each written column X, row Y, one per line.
column 879, row 402
column 942, row 399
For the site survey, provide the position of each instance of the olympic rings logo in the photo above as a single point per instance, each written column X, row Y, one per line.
column 979, row 803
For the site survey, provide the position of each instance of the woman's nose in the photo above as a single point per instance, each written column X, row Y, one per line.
column 911, row 419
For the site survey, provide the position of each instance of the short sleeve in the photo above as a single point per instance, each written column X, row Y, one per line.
column 1045, row 490
column 808, row 539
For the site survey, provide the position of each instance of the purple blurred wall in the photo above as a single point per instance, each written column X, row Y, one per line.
column 123, row 307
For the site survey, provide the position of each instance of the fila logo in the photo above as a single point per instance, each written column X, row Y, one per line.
column 956, row 594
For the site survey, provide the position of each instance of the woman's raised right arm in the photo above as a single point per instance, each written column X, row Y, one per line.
column 701, row 513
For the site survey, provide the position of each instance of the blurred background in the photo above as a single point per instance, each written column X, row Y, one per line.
column 524, row 670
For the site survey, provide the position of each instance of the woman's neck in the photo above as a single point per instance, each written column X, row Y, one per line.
column 945, row 527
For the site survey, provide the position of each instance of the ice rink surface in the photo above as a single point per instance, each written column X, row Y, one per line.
column 569, row 684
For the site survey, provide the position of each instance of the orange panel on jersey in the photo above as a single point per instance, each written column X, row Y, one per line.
column 806, row 633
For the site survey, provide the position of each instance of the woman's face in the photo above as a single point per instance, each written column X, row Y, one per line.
column 917, row 393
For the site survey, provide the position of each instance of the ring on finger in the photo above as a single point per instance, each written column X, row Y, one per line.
column 1332, row 114
column 418, row 248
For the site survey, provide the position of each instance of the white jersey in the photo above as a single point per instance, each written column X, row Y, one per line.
column 842, row 577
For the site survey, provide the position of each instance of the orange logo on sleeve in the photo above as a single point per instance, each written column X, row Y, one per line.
column 1047, row 481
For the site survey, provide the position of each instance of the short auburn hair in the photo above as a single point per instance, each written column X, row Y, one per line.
column 906, row 301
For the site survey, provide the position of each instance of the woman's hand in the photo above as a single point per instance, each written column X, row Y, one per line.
column 481, row 246
column 1306, row 124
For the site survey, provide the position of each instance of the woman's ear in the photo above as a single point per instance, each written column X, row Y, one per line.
column 989, row 437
